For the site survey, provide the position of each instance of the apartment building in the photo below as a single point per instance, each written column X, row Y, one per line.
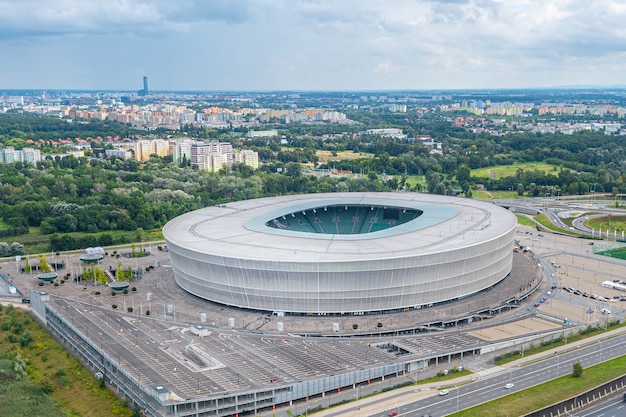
column 145, row 148
column 247, row 157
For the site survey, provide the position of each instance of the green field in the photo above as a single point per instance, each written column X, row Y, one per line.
column 503, row 171
column 56, row 384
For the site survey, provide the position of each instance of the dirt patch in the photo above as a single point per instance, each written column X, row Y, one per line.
column 520, row 328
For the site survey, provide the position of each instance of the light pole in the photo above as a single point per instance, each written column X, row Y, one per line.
column 457, row 398
column 558, row 362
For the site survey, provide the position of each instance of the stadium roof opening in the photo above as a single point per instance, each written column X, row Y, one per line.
column 344, row 219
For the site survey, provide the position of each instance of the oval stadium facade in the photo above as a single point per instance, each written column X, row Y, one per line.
column 341, row 252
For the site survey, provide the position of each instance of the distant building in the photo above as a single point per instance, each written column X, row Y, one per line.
column 9, row 155
column 390, row 133
column 215, row 161
column 262, row 133
column 181, row 149
column 247, row 157
column 144, row 91
column 397, row 108
column 122, row 154
column 145, row 148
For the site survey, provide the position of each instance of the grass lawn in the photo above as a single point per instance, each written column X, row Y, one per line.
column 327, row 156
column 503, row 171
column 524, row 221
column 612, row 223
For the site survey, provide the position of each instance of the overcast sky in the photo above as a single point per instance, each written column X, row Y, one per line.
column 311, row 44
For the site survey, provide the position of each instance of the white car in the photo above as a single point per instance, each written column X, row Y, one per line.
column 509, row 386
column 444, row 392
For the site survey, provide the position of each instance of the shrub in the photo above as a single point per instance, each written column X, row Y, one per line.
column 125, row 291
column 129, row 309
column 97, row 293
column 578, row 370
column 45, row 386
column 112, row 293
column 114, row 306
column 355, row 326
column 25, row 339
column 147, row 312
column 41, row 283
column 379, row 324
column 134, row 289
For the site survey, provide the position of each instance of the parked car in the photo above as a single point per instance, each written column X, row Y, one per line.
column 509, row 386
column 601, row 298
column 578, row 292
column 593, row 297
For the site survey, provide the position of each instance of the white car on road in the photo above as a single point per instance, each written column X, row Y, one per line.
column 509, row 386
column 444, row 392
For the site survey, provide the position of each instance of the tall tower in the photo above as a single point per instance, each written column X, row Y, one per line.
column 145, row 86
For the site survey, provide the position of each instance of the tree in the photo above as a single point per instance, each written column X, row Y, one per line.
column 17, row 249
column 43, row 263
column 577, row 370
column 4, row 249
column 463, row 174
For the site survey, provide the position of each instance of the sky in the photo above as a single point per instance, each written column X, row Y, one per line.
column 311, row 45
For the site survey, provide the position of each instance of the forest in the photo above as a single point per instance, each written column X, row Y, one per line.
column 78, row 202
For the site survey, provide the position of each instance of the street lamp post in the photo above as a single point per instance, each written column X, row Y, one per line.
column 558, row 362
column 457, row 398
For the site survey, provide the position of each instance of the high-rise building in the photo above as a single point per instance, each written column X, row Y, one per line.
column 248, row 157
column 181, row 149
column 215, row 161
column 145, row 148
column 144, row 92
column 198, row 152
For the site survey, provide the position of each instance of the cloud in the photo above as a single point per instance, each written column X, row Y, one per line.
column 272, row 43
column 33, row 18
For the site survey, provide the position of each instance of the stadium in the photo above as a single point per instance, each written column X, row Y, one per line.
column 341, row 253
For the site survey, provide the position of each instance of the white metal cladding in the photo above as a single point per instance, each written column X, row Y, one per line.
column 455, row 257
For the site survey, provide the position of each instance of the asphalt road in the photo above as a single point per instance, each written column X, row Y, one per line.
column 531, row 373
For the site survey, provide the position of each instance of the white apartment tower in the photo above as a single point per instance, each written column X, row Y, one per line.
column 247, row 157
column 181, row 149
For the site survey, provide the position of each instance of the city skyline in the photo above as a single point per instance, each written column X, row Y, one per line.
column 309, row 45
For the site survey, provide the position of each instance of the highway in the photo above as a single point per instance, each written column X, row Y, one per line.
column 532, row 373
